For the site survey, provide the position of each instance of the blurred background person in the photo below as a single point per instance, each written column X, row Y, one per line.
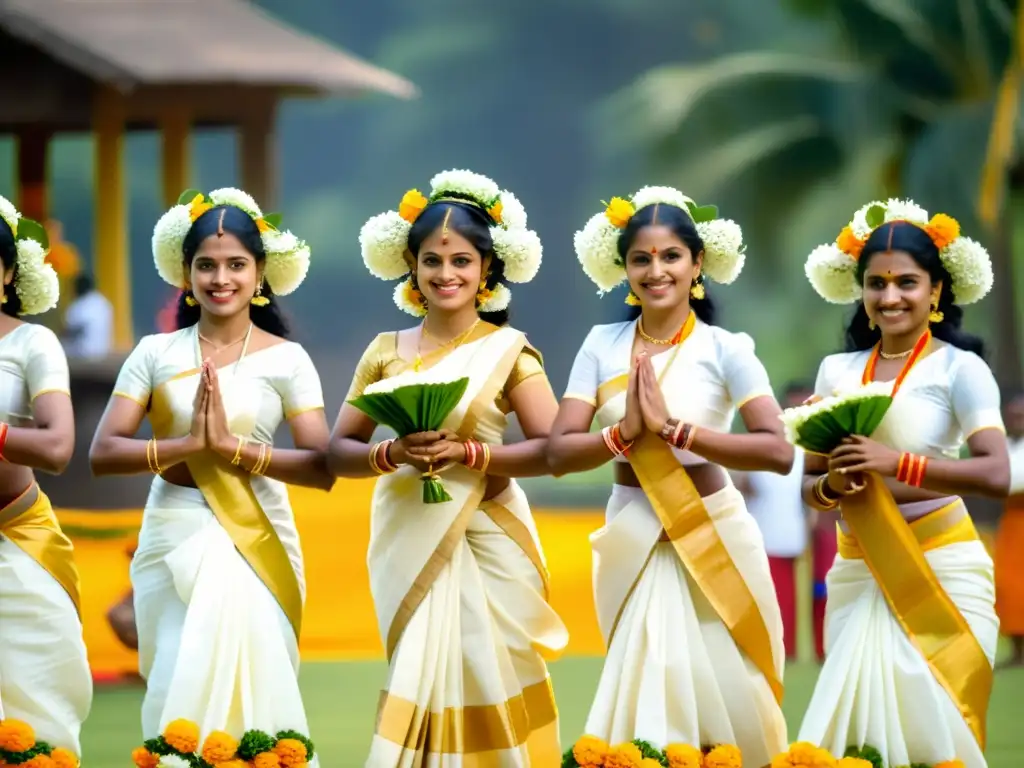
column 775, row 502
column 88, row 321
column 1009, row 549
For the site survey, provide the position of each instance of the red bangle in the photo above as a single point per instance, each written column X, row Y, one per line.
column 3, row 438
column 472, row 451
column 911, row 468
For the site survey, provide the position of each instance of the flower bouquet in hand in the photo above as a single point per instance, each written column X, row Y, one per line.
column 412, row 408
column 820, row 426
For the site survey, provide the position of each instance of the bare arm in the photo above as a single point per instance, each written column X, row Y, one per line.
column 348, row 451
column 572, row 447
column 762, row 448
column 116, row 451
column 49, row 444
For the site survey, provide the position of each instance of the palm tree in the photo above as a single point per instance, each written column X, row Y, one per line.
column 891, row 97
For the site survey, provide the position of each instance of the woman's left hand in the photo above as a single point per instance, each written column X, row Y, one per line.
column 652, row 402
column 862, row 454
column 218, row 434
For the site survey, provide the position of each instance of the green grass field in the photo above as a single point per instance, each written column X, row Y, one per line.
column 341, row 698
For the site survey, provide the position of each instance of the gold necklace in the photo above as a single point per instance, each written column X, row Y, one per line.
column 217, row 350
column 894, row 355
column 650, row 339
column 450, row 344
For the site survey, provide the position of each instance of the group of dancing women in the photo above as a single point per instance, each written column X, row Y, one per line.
column 693, row 675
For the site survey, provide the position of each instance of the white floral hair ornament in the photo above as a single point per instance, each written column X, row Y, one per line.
column 287, row 256
column 832, row 268
column 597, row 243
column 384, row 238
column 36, row 282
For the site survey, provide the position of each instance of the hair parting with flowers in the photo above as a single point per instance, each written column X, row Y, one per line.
column 36, row 285
column 597, row 244
column 287, row 257
column 832, row 269
column 384, row 238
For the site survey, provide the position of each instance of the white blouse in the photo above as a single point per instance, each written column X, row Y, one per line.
column 722, row 371
column 946, row 397
column 32, row 363
column 263, row 389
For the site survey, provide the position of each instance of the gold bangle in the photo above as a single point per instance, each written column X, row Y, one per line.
column 149, row 454
column 259, row 459
column 154, row 462
column 819, row 494
column 269, row 454
column 486, row 450
column 691, row 432
column 238, row 451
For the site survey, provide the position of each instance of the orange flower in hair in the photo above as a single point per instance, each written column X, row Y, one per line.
column 495, row 211
column 619, row 212
column 849, row 243
column 198, row 207
column 943, row 230
column 412, row 205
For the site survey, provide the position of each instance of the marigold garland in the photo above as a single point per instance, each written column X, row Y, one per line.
column 179, row 743
column 593, row 752
column 803, row 754
column 19, row 746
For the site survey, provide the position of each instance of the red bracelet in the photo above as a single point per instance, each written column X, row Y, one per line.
column 473, row 450
column 911, row 468
column 613, row 439
column 3, row 439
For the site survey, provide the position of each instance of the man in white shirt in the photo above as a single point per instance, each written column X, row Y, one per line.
column 776, row 503
column 88, row 322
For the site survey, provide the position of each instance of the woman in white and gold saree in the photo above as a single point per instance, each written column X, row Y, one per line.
column 460, row 587
column 681, row 578
column 45, row 684
column 217, row 575
column 911, row 628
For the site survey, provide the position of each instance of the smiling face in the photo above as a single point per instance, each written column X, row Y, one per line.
column 660, row 267
column 449, row 273
column 898, row 293
column 224, row 275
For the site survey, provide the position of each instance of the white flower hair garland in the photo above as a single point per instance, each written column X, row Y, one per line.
column 384, row 238
column 287, row 256
column 36, row 282
column 832, row 268
column 597, row 243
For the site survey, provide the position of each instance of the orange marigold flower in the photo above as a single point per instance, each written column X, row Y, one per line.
column 182, row 735
column 590, row 751
column 849, row 243
column 724, row 756
column 854, row 762
column 63, row 758
column 619, row 212
column 412, row 205
column 623, row 756
column 495, row 211
column 16, row 736
column 233, row 763
column 684, row 756
column 219, row 747
column 291, row 751
column 198, row 207
column 649, row 762
column 143, row 758
column 943, row 230
column 39, row 761
column 266, row 760
column 951, row 764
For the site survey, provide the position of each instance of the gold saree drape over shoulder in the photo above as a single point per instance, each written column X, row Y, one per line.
column 692, row 626
column 460, row 590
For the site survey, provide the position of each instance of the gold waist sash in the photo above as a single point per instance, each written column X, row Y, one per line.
column 30, row 524
column 894, row 552
column 695, row 539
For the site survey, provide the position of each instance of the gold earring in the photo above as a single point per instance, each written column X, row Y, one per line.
column 259, row 300
column 697, row 291
column 871, row 324
column 935, row 316
column 190, row 300
column 632, row 299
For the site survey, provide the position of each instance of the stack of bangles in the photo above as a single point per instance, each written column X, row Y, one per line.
column 678, row 434
column 613, row 440
column 823, row 494
column 478, row 456
column 262, row 458
column 151, row 458
column 911, row 468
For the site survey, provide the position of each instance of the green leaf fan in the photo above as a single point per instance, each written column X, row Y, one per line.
column 821, row 426
column 415, row 408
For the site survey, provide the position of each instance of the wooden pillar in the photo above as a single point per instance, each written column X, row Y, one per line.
column 258, row 157
column 33, row 154
column 112, row 264
column 175, row 155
